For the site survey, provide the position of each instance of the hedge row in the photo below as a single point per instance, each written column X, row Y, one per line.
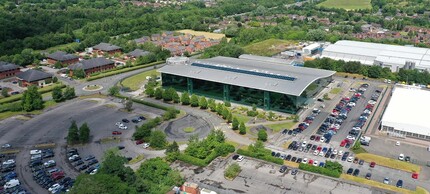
column 159, row 106
column 18, row 97
column 124, row 70
column 224, row 149
column 268, row 158
column 13, row 106
column 319, row 170
column 191, row 160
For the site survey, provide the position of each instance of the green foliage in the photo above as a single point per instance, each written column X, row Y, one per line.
column 316, row 35
column 173, row 147
column 258, row 151
column 251, row 113
column 114, row 165
column 332, row 169
column 242, row 128
column 185, row 98
column 58, row 65
column 158, row 93
column 157, row 176
column 4, row 93
column 227, row 104
column 170, row 113
column 117, row 71
column 73, row 135
column 262, row 135
column 232, row 171
column 84, row 133
column 194, row 100
column 203, row 103
column 158, row 139
column 168, row 94
column 225, row 113
column 176, row 98
column 100, row 183
column 31, row 99
column 69, row 93
column 114, row 90
column 223, row 49
column 219, row 108
column 212, row 105
column 149, row 90
column 129, row 105
column 79, row 73
column 54, row 80
column 235, row 124
column 57, row 94
column 229, row 117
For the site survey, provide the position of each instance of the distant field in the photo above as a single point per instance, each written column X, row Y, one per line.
column 347, row 4
column 206, row 34
column 268, row 47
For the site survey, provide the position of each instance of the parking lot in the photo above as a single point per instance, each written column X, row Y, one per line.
column 12, row 84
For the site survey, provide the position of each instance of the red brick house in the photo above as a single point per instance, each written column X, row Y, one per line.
column 62, row 57
column 137, row 53
column 8, row 70
column 92, row 65
column 34, row 77
column 103, row 48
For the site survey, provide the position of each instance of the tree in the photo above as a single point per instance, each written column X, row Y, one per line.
column 4, row 92
column 54, row 80
column 316, row 35
column 185, row 98
column 225, row 113
column 219, row 108
column 69, row 93
column 235, row 124
column 194, row 100
column 173, row 147
column 212, row 105
column 129, row 104
column 242, row 128
column 57, row 94
column 168, row 94
column 158, row 93
column 31, row 99
column 149, row 90
column 157, row 176
column 79, row 73
column 84, row 133
column 230, row 117
column 58, row 65
column 203, row 103
column 100, row 183
column 262, row 135
column 114, row 90
column 158, row 139
column 73, row 135
column 114, row 165
column 176, row 98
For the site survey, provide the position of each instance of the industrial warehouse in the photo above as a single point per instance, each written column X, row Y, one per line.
column 405, row 115
column 390, row 56
column 268, row 85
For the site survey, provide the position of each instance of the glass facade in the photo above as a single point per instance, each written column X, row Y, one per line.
column 243, row 95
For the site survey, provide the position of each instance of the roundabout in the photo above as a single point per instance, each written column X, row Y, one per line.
column 185, row 127
column 92, row 88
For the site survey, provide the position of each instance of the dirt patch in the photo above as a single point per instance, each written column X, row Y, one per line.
column 257, row 128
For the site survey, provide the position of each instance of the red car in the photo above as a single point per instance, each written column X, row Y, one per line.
column 343, row 143
column 319, row 148
column 372, row 164
column 138, row 142
column 116, row 132
column 311, row 162
column 317, row 138
column 415, row 175
column 57, row 174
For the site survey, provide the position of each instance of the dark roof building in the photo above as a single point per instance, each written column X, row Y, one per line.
column 62, row 57
column 34, row 77
column 137, row 53
column 8, row 69
column 91, row 63
column 106, row 47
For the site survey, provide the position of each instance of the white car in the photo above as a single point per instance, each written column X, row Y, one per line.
column 118, row 124
column 340, row 153
column 335, row 152
column 11, row 184
column 386, row 180
column 372, row 102
column 8, row 162
column 316, row 163
column 34, row 157
column 6, row 146
column 49, row 163
column 356, row 128
column 367, row 111
column 93, row 172
column 350, row 137
column 54, row 187
column 304, row 144
column 240, row 158
column 146, row 145
column 397, row 143
column 401, row 157
column 34, row 152
column 350, row 159
column 321, row 154
column 322, row 140
column 316, row 152
column 305, row 160
column 123, row 127
column 73, row 157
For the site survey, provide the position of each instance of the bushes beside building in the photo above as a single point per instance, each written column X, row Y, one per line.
column 331, row 169
column 258, row 151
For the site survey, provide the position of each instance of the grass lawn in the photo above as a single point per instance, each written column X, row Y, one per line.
column 389, row 162
column 347, row 4
column 335, row 90
column 189, row 129
column 280, row 126
column 381, row 185
column 137, row 159
column 268, row 47
column 43, row 90
column 241, row 118
column 8, row 114
column 136, row 81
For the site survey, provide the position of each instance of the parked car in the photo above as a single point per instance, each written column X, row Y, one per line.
column 350, row 170
column 283, row 169
column 368, row 175
column 294, row 172
column 125, row 120
column 116, row 132
column 372, row 164
column 89, row 157
column 386, row 180
column 356, row 172
column 399, row 183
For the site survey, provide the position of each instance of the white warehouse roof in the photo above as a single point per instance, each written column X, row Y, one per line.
column 375, row 53
column 407, row 111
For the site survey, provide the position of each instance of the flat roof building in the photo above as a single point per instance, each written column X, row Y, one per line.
column 269, row 85
column 406, row 113
column 384, row 55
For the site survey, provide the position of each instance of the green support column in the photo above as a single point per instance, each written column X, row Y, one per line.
column 266, row 100
column 190, row 85
column 226, row 92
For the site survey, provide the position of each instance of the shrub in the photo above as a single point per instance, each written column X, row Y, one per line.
column 319, row 170
column 232, row 171
column 262, row 135
column 265, row 157
column 191, row 160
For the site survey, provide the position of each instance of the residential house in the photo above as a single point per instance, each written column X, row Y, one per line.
column 92, row 66
column 167, row 33
column 367, row 28
column 8, row 69
column 103, row 48
column 62, row 57
column 142, row 40
column 136, row 54
column 34, row 77
column 155, row 37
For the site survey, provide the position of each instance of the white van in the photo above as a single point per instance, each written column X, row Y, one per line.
column 34, row 152
column 11, row 184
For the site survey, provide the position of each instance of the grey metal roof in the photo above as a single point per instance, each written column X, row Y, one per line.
column 265, row 59
column 32, row 75
column 257, row 74
column 138, row 53
column 91, row 63
column 62, row 56
column 6, row 66
column 106, row 47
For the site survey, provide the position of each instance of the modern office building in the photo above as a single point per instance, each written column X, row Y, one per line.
column 269, row 85
column 385, row 55
column 405, row 115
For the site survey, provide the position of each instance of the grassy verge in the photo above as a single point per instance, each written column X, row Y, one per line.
column 92, row 96
column 388, row 162
column 347, row 4
column 123, row 70
column 41, row 91
column 335, row 90
column 280, row 126
column 189, row 129
column 382, row 185
column 45, row 145
column 242, row 118
column 137, row 159
column 9, row 152
column 109, row 140
column 8, row 114
column 136, row 81
column 268, row 47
